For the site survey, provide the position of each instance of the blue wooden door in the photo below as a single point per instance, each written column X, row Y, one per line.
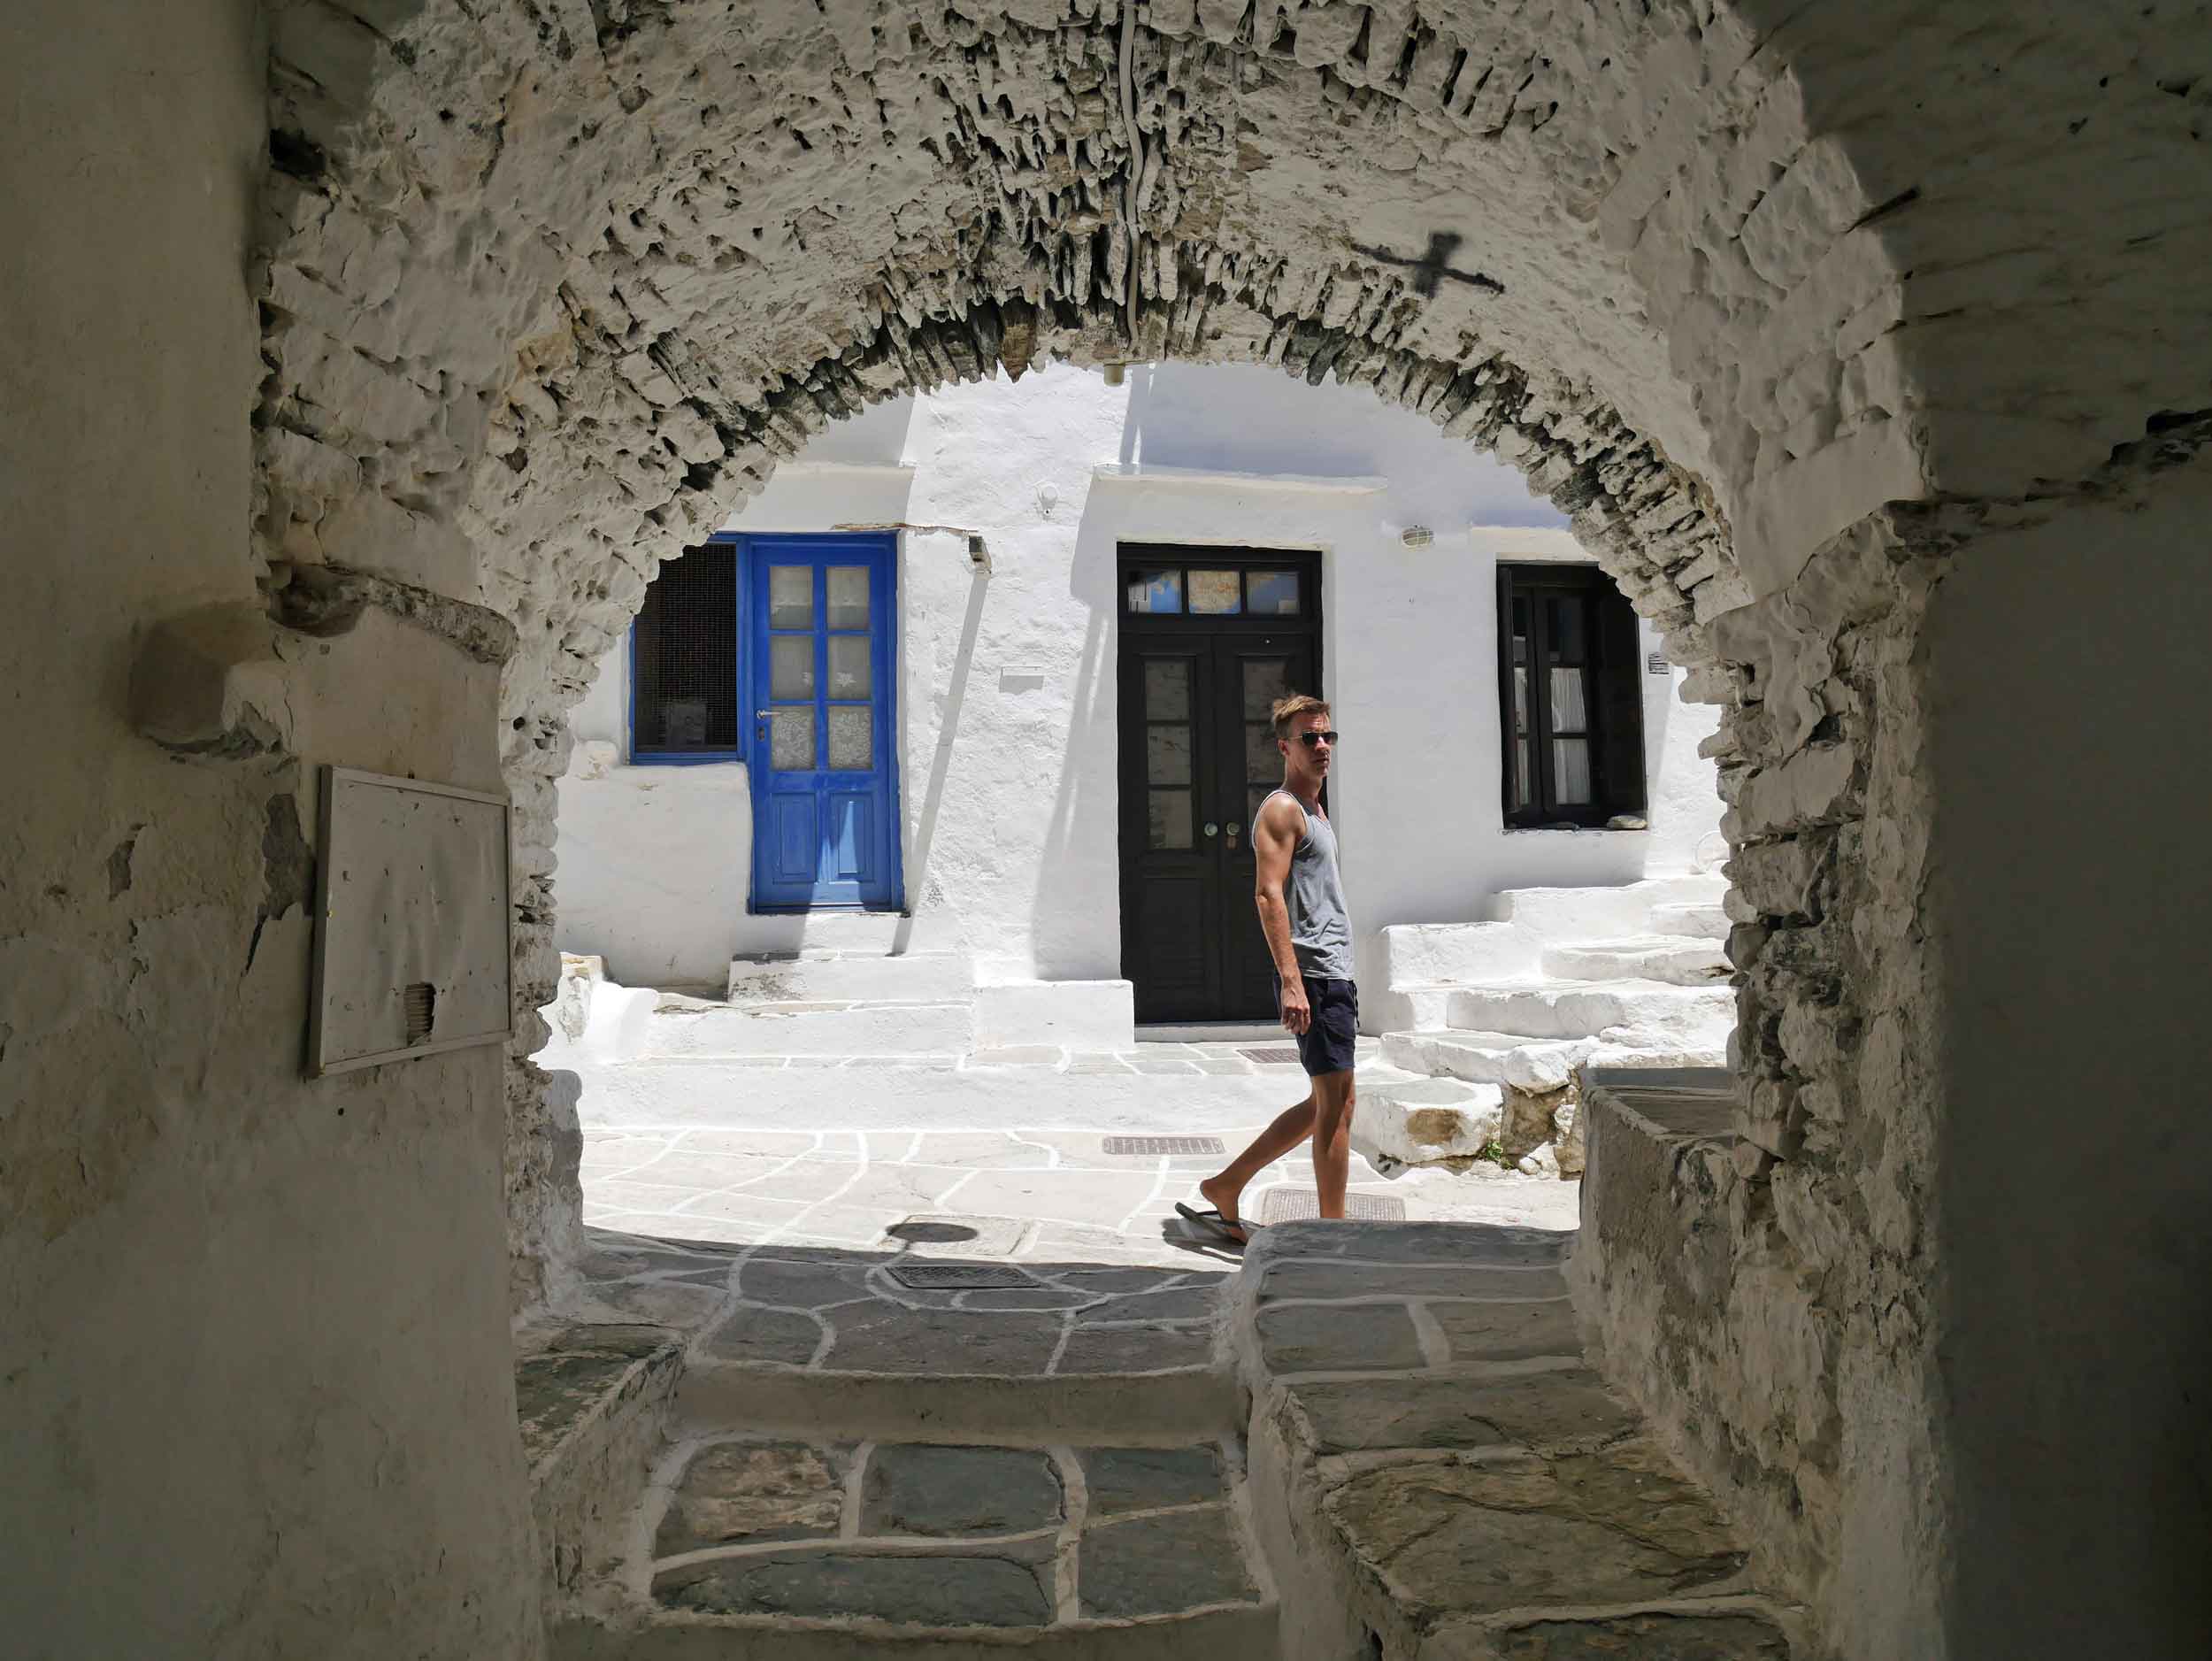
column 821, row 621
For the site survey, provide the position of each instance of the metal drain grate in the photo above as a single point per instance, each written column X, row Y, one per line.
column 957, row 1277
column 1156, row 1145
column 1271, row 1055
column 1287, row 1205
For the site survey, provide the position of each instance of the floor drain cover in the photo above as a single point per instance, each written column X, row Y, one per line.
column 956, row 1277
column 1287, row 1205
column 1154, row 1145
column 1271, row 1054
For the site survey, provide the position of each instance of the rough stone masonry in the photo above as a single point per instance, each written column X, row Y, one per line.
column 551, row 286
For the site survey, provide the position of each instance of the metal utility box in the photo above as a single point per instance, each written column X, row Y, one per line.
column 413, row 955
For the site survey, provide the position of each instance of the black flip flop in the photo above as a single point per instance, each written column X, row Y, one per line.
column 1218, row 1225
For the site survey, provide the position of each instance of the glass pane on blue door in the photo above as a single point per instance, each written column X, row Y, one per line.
column 851, row 674
column 791, row 596
column 791, row 744
column 848, row 597
column 792, row 671
column 852, row 738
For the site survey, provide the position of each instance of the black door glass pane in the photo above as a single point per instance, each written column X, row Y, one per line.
column 1167, row 690
column 1155, row 591
column 1270, row 593
column 1263, row 762
column 1265, row 679
column 1167, row 755
column 1169, row 824
column 686, row 665
column 1215, row 593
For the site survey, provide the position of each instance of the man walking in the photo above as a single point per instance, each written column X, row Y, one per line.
column 1301, row 899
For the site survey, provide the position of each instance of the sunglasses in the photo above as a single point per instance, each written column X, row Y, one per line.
column 1312, row 740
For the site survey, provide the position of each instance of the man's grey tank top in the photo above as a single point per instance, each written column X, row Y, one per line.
column 1320, row 928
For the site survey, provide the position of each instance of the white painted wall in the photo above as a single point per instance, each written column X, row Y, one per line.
column 1007, row 718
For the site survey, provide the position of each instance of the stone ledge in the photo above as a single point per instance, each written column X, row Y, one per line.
column 1455, row 1489
column 592, row 1402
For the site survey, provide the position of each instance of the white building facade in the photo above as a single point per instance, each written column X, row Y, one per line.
column 959, row 714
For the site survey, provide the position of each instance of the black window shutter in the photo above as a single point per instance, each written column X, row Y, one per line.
column 1621, row 704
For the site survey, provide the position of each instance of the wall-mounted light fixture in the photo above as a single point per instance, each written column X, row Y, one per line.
column 1416, row 536
column 1048, row 498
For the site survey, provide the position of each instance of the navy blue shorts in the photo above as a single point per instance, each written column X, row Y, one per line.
column 1327, row 1043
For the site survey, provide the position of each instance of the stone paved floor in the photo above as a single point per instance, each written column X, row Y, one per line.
column 936, row 1535
column 795, row 1153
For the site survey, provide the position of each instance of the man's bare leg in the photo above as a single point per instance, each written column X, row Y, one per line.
column 1332, row 1099
column 1289, row 1128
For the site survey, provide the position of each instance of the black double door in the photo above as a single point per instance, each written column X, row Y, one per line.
column 1197, row 757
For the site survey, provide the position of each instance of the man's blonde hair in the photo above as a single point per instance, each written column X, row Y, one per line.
column 1288, row 710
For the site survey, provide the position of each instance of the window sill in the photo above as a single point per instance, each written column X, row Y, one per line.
column 1639, row 828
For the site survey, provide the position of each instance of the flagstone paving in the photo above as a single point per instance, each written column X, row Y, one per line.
column 838, row 1156
column 1103, row 1452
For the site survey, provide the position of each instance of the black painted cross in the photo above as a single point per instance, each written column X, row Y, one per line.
column 1430, row 270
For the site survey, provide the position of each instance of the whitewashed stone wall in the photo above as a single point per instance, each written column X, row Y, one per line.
column 1007, row 734
column 551, row 289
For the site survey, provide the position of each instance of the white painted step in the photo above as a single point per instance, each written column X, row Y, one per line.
column 1536, row 1064
column 1701, row 1016
column 1430, row 954
column 1696, row 919
column 1401, row 1008
column 683, row 1028
column 852, row 977
column 1596, row 913
column 1668, row 957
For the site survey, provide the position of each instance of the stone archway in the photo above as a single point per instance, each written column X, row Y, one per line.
column 550, row 287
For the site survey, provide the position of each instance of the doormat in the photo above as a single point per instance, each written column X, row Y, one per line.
column 1271, row 1055
column 1149, row 1146
column 957, row 1277
column 1287, row 1205
column 943, row 1234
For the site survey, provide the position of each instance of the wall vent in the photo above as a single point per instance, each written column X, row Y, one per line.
column 419, row 1002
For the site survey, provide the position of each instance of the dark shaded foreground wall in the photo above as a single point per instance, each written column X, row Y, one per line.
column 255, row 1396
column 2073, row 833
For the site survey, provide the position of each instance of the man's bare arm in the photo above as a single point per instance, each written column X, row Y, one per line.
column 1274, row 839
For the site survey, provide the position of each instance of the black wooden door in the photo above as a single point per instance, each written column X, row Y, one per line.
column 1197, row 757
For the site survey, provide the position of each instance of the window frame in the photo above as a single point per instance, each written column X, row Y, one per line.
column 1612, row 688
column 726, row 542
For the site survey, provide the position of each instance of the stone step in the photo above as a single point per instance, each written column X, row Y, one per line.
column 1698, row 920
column 1400, row 1121
column 787, row 1547
column 1693, row 1017
column 1535, row 1063
column 1594, row 913
column 851, row 977
column 1668, row 957
column 683, row 1028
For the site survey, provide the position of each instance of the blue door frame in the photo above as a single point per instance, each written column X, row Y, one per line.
column 824, row 767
